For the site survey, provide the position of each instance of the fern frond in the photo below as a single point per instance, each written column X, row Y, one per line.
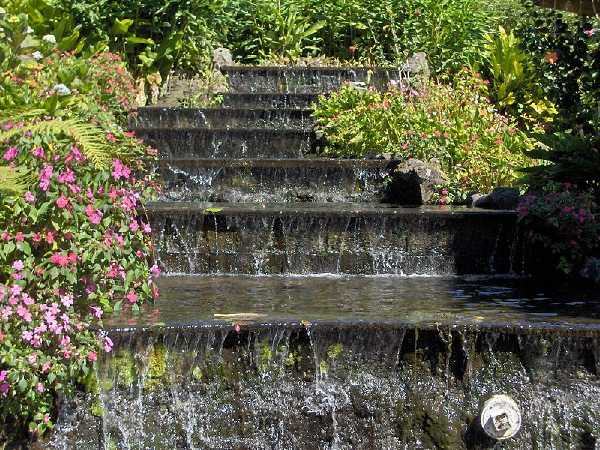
column 90, row 139
column 13, row 180
column 20, row 115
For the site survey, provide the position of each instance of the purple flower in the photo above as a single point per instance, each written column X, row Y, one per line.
column 11, row 153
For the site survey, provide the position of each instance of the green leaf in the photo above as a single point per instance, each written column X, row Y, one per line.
column 213, row 210
column 139, row 40
column 121, row 27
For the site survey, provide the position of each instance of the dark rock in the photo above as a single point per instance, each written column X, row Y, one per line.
column 417, row 65
column 414, row 182
column 222, row 57
column 499, row 198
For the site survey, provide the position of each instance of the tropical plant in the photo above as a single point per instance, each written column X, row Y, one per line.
column 514, row 88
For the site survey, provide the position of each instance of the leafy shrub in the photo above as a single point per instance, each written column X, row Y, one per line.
column 562, row 220
column 74, row 244
column 478, row 148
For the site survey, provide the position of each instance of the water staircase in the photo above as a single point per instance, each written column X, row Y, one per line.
column 300, row 312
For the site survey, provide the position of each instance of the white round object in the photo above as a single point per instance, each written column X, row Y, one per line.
column 500, row 417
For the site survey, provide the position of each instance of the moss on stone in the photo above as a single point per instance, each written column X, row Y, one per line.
column 124, row 366
column 157, row 367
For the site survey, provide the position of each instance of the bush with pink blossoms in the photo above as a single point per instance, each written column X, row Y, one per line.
column 74, row 242
column 563, row 221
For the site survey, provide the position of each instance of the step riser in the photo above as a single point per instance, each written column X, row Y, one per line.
column 197, row 143
column 276, row 101
column 357, row 387
column 309, row 81
column 277, row 181
column 271, row 243
column 221, row 118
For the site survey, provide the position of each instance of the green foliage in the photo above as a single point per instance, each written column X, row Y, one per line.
column 566, row 158
column 477, row 147
column 157, row 35
column 514, row 88
column 562, row 220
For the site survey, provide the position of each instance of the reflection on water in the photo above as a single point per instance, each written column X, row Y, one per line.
column 416, row 300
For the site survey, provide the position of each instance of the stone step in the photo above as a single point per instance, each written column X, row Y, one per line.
column 266, row 100
column 346, row 362
column 274, row 180
column 159, row 117
column 309, row 238
column 304, row 80
column 229, row 143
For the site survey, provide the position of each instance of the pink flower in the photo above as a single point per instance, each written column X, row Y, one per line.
column 29, row 197
column 4, row 388
column 134, row 226
column 24, row 313
column 37, row 237
column 590, row 33
column 120, row 170
column 108, row 344
column 19, row 237
column 50, row 237
column 46, row 366
column 32, row 358
column 66, row 177
column 27, row 300
column 39, row 387
column 45, row 176
column 3, row 374
column 62, row 202
column 11, row 153
column 38, row 152
column 147, row 228
column 66, row 300
column 96, row 311
column 59, row 259
column 46, row 418
column 94, row 215
column 132, row 297
column 92, row 356
column 155, row 271
column 18, row 265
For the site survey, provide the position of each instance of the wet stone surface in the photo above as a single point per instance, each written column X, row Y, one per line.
column 317, row 238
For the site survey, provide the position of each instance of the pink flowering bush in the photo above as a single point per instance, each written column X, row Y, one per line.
column 74, row 241
column 563, row 221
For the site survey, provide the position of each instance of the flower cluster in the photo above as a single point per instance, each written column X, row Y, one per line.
column 74, row 244
column 562, row 220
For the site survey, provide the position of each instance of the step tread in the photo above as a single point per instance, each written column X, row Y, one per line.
column 236, row 130
column 314, row 161
column 322, row 209
column 423, row 302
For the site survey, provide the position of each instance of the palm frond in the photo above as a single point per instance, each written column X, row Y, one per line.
column 90, row 139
